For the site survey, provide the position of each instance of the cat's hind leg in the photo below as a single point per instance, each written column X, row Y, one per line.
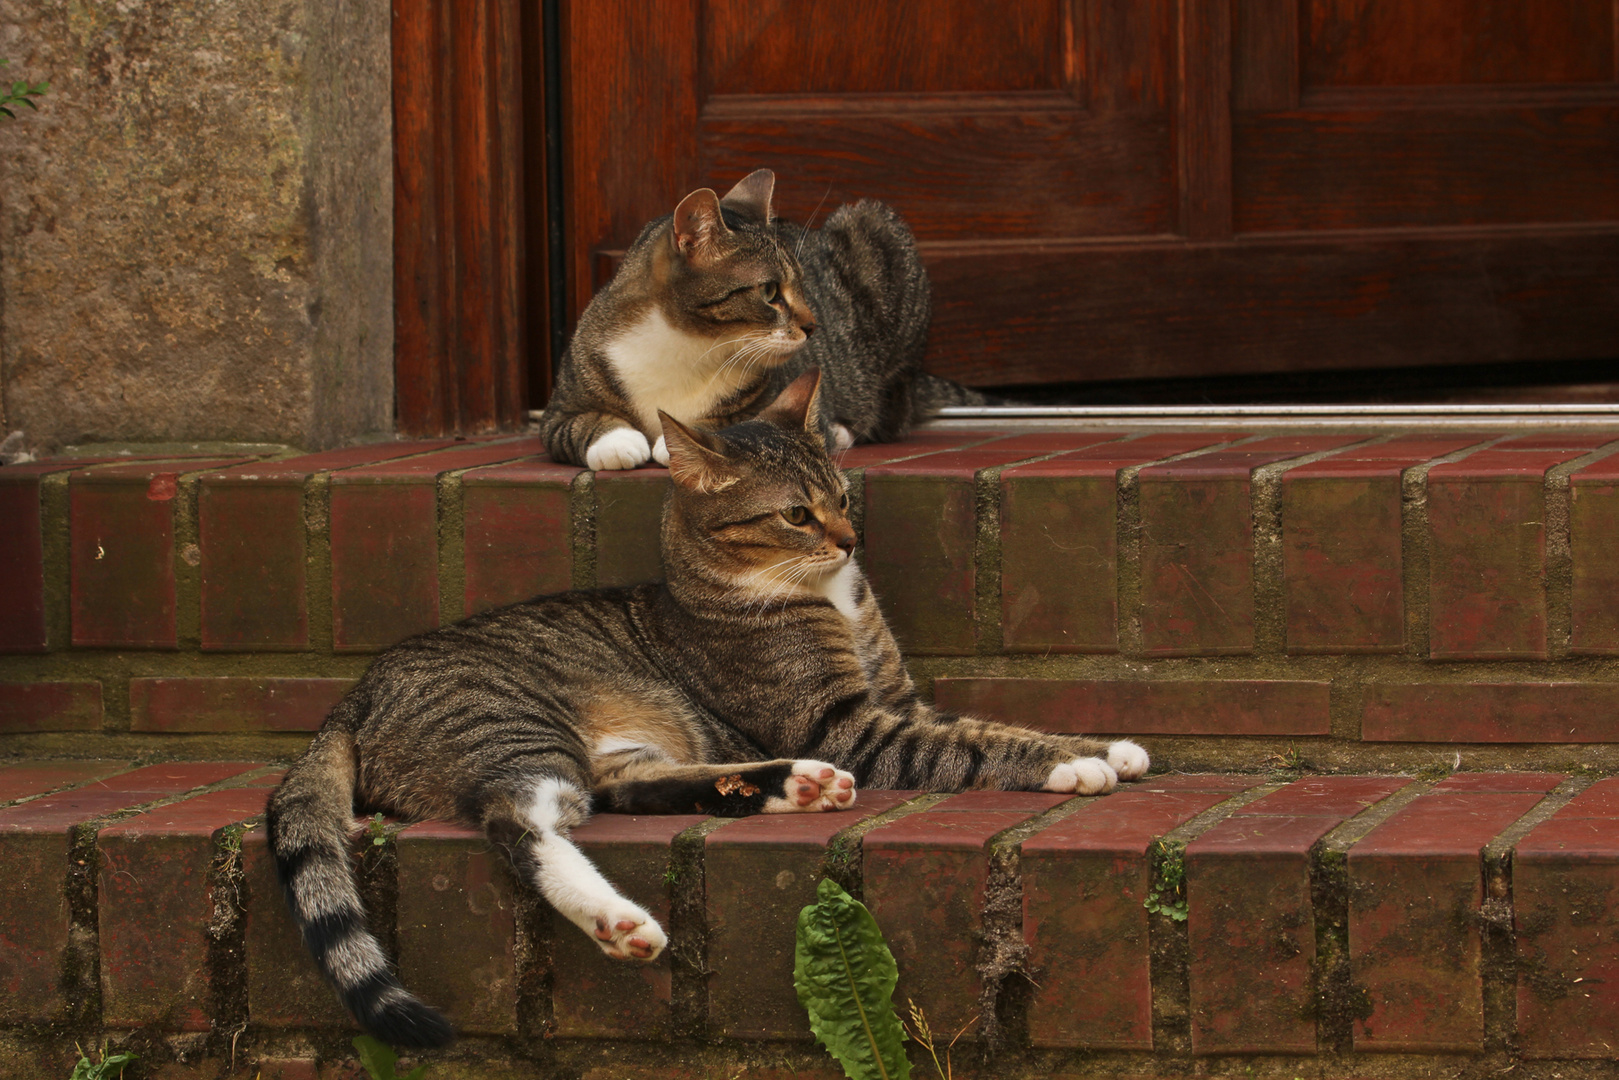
column 648, row 784
column 534, row 827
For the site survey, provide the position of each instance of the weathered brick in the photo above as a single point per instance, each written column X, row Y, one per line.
column 284, row 988
column 252, row 537
column 921, row 533
column 1415, row 898
column 1197, row 577
column 1341, row 546
column 1565, row 876
column 34, row 850
column 37, row 777
column 923, row 878
column 1084, row 881
column 1251, row 925
column 916, row 444
column 1546, row 712
column 384, row 533
column 1116, row 707
column 50, row 706
column 518, row 530
column 122, row 552
column 456, row 900
column 22, row 561
column 1486, row 580
column 154, row 907
column 230, row 703
column 629, row 512
column 1059, row 544
column 601, row 998
column 760, row 873
column 1593, row 523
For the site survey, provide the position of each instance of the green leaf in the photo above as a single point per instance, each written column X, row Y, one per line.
column 417, row 1073
column 845, row 979
column 377, row 1057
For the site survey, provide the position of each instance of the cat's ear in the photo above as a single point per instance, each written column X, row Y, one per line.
column 797, row 408
column 698, row 225
column 751, row 195
column 697, row 459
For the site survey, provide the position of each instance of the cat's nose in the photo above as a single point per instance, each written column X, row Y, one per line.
column 808, row 328
column 845, row 543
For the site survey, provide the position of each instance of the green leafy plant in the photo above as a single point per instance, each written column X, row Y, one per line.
column 845, row 979
column 1168, row 893
column 378, row 1059
column 23, row 94
column 105, row 1069
column 377, row 831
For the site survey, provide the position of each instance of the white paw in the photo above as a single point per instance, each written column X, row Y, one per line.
column 621, row 448
column 1127, row 759
column 814, row 786
column 660, row 452
column 841, row 436
column 628, row 933
column 1083, row 776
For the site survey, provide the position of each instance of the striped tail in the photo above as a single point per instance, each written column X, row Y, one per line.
column 308, row 819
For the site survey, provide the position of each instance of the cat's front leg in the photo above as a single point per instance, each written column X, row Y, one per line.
column 620, row 448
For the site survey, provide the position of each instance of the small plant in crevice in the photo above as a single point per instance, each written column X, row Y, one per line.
column 377, row 831
column 21, row 93
column 922, row 1034
column 845, row 977
column 105, row 1069
column 1167, row 894
column 378, row 1059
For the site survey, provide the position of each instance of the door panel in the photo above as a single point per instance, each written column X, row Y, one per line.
column 1114, row 189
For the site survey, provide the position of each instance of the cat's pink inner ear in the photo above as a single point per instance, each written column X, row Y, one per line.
column 698, row 224
column 752, row 194
column 697, row 459
column 795, row 407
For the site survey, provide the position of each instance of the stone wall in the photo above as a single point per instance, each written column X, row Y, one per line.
column 196, row 227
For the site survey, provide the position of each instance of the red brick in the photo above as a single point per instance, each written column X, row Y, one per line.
column 384, row 530
column 601, row 998
column 518, row 528
column 251, row 530
column 1197, row 580
column 456, row 901
column 1415, row 896
column 37, row 777
column 1565, row 875
column 921, row 532
column 923, row 878
column 1084, row 881
column 50, row 706
column 122, row 553
column 154, row 908
column 1114, row 707
column 34, row 845
column 22, row 563
column 284, row 988
column 629, row 512
column 1341, row 560
column 232, row 703
column 1251, row 927
column 1593, row 523
column 760, row 873
column 913, row 445
column 1059, row 544
column 1487, row 592
column 1491, row 712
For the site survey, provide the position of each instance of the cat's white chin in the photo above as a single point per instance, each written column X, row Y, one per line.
column 621, row 448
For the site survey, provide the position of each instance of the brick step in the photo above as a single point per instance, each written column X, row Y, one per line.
column 1362, row 596
column 1325, row 922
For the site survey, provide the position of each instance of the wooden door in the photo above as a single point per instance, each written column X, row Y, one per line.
column 1110, row 189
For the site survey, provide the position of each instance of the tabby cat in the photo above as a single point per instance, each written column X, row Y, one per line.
column 719, row 305
column 760, row 679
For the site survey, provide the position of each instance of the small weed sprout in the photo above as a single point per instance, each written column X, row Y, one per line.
column 106, row 1069
column 922, row 1033
column 378, row 1058
column 21, row 93
column 1168, row 893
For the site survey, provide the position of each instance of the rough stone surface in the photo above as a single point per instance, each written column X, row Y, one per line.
column 195, row 228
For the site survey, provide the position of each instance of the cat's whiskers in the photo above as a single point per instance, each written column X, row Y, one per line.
column 811, row 223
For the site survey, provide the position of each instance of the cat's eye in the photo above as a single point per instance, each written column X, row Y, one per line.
column 843, row 503
column 770, row 290
column 796, row 515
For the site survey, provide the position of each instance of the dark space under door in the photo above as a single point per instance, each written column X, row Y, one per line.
column 1117, row 189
